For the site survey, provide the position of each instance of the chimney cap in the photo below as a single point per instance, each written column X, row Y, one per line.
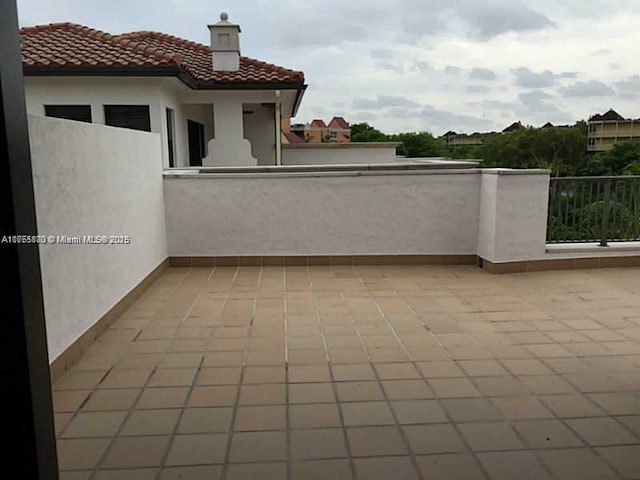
column 224, row 22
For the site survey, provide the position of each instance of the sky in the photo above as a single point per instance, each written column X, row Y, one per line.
column 414, row 65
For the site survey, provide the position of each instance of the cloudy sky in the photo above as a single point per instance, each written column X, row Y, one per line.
column 435, row 65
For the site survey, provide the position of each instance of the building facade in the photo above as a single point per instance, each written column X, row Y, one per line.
column 317, row 131
column 610, row 128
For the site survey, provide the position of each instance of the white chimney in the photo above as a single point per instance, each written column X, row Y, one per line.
column 225, row 44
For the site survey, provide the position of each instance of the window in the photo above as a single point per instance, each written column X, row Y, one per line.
column 79, row 113
column 135, row 117
column 333, row 135
column 196, row 143
column 170, row 138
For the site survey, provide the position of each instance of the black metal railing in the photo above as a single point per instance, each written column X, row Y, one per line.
column 594, row 209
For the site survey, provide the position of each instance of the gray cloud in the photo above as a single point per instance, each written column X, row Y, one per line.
column 592, row 88
column 381, row 53
column 392, row 67
column 451, row 70
column 477, row 89
column 420, row 66
column 384, row 101
column 482, row 74
column 534, row 98
column 529, row 79
column 482, row 20
column 629, row 85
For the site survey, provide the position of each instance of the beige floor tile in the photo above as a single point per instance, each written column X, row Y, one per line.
column 271, row 417
column 440, row 369
column 314, row 416
column 567, row 406
column 632, row 423
column 257, row 447
column 431, row 439
column 490, row 436
column 577, row 464
column 218, row 376
column 173, row 397
column 263, row 374
column 617, row 403
column 528, row 366
column 116, row 399
column 501, row 386
column 311, row 393
column 518, row 408
column 181, row 360
column 78, row 454
column 419, row 411
column 546, row 434
column 376, row 441
column 148, row 452
column 383, row 468
column 69, row 400
column 205, row 420
column 172, row 377
column 309, row 373
column 547, row 384
column 197, row 449
column 625, row 459
column 204, row 472
column 321, row 470
column 79, row 380
column 128, row 474
column 366, row 413
column 470, row 409
column 454, row 466
column 126, row 378
column 343, row 373
column 316, row 444
column 94, row 424
column 151, row 422
column 482, row 368
column 267, row 394
column 251, row 471
column 218, row 396
column 61, row 420
column 396, row 371
column 359, row 391
column 601, row 431
column 86, row 475
column 510, row 465
column 453, row 387
column 406, row 389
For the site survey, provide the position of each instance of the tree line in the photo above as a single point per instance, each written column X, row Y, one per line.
column 563, row 150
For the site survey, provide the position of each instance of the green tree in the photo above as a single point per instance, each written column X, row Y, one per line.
column 622, row 159
column 419, row 144
column 363, row 132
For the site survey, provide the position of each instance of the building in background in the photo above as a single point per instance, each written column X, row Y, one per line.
column 610, row 128
column 455, row 140
column 317, row 131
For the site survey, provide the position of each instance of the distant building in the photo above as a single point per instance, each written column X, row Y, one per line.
column 610, row 128
column 337, row 131
column 455, row 140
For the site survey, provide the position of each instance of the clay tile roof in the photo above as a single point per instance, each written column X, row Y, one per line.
column 67, row 46
column 293, row 138
column 340, row 122
column 318, row 123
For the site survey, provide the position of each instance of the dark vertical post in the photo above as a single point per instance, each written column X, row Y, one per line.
column 606, row 207
column 25, row 385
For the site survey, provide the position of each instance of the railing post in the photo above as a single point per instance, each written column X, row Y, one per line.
column 605, row 213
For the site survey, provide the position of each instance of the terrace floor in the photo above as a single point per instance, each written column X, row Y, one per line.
column 416, row 372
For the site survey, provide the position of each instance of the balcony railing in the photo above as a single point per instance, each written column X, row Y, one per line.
column 594, row 209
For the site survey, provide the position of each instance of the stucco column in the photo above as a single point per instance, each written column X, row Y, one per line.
column 228, row 147
column 513, row 214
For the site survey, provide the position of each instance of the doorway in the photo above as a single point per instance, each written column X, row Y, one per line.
column 196, row 143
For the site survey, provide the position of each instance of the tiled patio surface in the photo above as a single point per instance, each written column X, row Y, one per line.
column 361, row 372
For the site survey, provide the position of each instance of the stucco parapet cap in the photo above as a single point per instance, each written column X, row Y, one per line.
column 336, row 145
column 514, row 171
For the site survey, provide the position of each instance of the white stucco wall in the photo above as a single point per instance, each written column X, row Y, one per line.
column 259, row 129
column 323, row 214
column 158, row 93
column 514, row 205
column 337, row 154
column 94, row 180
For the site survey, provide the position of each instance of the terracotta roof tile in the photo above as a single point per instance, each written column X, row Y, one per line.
column 339, row 122
column 70, row 46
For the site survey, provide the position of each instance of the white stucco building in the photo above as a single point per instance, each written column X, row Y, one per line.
column 210, row 105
